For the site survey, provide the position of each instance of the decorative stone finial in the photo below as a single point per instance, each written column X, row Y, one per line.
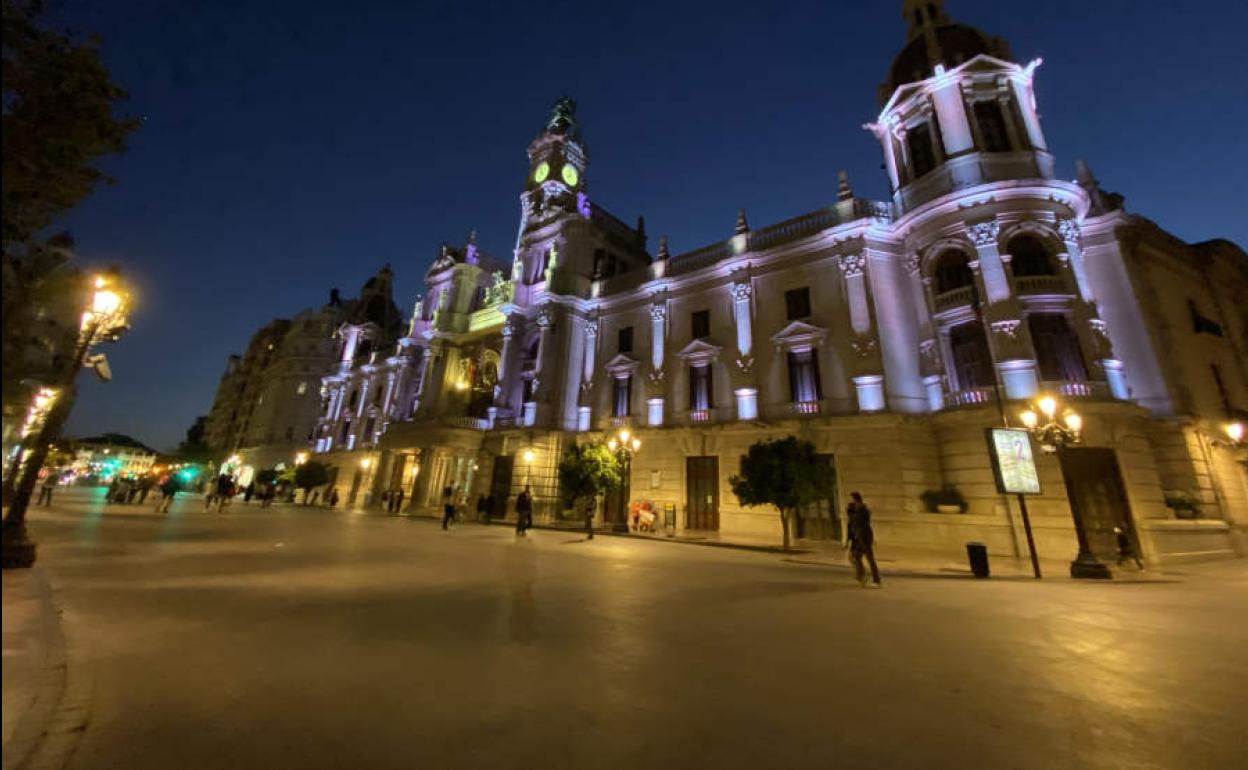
column 662, row 248
column 641, row 226
column 742, row 225
column 470, row 249
column 843, row 191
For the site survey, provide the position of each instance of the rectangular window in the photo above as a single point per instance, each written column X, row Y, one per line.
column 804, row 384
column 700, row 392
column 1202, row 324
column 346, row 430
column 797, row 303
column 1221, row 386
column 625, row 340
column 621, row 396
column 701, row 324
column 972, row 363
column 922, row 155
column 1057, row 348
column 992, row 126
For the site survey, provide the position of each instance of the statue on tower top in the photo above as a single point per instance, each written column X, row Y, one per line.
column 563, row 117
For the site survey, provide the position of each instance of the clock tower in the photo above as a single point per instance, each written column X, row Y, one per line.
column 556, row 178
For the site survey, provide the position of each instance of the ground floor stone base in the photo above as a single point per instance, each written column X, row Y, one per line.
column 1117, row 476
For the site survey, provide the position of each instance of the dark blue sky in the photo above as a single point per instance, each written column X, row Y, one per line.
column 295, row 146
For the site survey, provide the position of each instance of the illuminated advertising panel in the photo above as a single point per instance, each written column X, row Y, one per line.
column 1012, row 461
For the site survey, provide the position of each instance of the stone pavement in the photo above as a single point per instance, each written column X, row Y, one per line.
column 34, row 662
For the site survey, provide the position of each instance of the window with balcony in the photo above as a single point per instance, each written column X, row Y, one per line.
column 700, row 323
column 1029, row 256
column 797, row 303
column 953, row 271
column 972, row 361
column 804, row 382
column 922, row 154
column 621, row 396
column 624, row 340
column 1058, row 355
column 991, row 121
column 700, row 391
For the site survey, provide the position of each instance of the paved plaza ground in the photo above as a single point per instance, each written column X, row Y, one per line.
column 306, row 638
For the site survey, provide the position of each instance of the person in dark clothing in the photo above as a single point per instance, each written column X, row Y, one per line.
column 524, row 511
column 396, row 501
column 448, row 506
column 333, row 497
column 249, row 492
column 46, row 489
column 482, row 511
column 168, row 491
column 1126, row 550
column 589, row 519
column 861, row 539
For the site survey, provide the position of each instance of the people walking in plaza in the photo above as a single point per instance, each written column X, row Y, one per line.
column 333, row 497
column 861, row 539
column 45, row 489
column 448, row 506
column 1126, row 549
column 482, row 512
column 524, row 511
column 145, row 486
column 210, row 494
column 249, row 493
column 589, row 519
column 396, row 501
column 225, row 491
column 168, row 491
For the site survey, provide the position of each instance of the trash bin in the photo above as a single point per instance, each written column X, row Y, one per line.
column 977, row 554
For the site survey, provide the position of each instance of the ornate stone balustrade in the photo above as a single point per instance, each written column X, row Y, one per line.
column 1077, row 390
column 955, row 298
column 971, row 397
column 1040, row 284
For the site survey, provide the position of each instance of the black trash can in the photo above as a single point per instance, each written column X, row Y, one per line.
column 977, row 554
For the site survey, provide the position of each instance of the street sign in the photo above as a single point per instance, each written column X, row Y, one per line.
column 1013, row 464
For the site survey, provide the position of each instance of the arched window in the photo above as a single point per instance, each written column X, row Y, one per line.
column 1029, row 256
column 953, row 271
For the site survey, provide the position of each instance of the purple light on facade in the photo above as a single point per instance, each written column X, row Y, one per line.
column 470, row 255
column 582, row 204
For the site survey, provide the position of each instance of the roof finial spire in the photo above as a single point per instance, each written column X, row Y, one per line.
column 922, row 15
column 470, row 248
column 742, row 225
column 843, row 191
column 662, row 248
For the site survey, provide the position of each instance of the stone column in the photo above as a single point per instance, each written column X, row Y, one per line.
column 984, row 235
column 742, row 292
column 584, row 408
column 866, row 368
column 951, row 112
column 1008, row 340
column 1068, row 229
column 655, row 380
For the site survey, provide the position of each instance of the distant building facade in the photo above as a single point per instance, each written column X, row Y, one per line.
column 268, row 400
column 882, row 331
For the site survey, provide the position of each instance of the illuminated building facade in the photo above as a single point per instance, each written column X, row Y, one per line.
column 882, row 331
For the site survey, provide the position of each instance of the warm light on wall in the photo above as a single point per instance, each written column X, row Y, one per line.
column 1235, row 431
column 528, row 456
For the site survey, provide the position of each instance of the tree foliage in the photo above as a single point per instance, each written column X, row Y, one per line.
column 194, row 448
column 587, row 471
column 58, row 121
column 311, row 474
column 266, row 477
column 785, row 473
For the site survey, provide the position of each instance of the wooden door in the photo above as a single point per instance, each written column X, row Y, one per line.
column 702, row 492
column 500, row 484
column 1098, row 498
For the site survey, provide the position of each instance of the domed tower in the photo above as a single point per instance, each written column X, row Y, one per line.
column 991, row 238
column 956, row 111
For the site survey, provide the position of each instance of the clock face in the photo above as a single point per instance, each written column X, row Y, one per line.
column 543, row 171
column 569, row 174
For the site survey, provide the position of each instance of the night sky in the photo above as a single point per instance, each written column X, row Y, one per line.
column 291, row 147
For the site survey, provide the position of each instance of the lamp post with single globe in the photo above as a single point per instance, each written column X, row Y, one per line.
column 1053, row 435
column 104, row 320
column 624, row 445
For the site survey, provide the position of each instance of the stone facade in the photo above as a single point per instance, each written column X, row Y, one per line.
column 885, row 332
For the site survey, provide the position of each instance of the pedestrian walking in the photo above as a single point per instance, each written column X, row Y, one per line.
column 145, row 486
column 45, row 490
column 482, row 511
column 396, row 501
column 1126, row 549
column 861, row 539
column 524, row 511
column 168, row 491
column 249, row 493
column 225, row 491
column 132, row 490
column 210, row 494
column 333, row 497
column 448, row 506
column 589, row 519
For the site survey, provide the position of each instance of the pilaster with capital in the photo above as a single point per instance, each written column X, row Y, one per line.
column 1068, row 229
column 864, row 342
column 984, row 235
column 742, row 293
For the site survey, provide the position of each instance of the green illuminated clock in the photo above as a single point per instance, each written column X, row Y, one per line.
column 543, row 171
column 569, row 174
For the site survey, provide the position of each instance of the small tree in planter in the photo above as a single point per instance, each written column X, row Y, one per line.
column 1184, row 503
column 943, row 499
column 310, row 475
column 785, row 473
column 587, row 471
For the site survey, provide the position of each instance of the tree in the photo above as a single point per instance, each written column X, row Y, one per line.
column 58, row 121
column 267, row 478
column 194, row 449
column 588, row 471
column 785, row 473
column 310, row 474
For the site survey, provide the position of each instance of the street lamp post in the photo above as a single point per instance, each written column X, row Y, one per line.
column 1053, row 435
column 624, row 445
column 104, row 320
